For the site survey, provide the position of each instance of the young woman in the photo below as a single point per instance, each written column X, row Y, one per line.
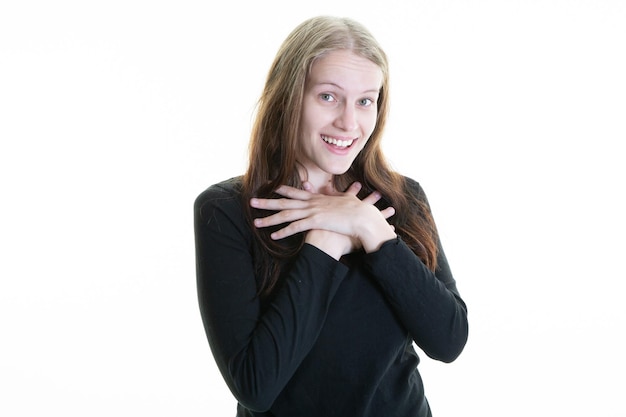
column 319, row 268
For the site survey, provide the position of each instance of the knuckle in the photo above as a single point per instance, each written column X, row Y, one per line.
column 283, row 216
column 281, row 203
column 295, row 227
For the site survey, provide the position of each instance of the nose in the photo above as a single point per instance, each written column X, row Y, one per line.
column 347, row 118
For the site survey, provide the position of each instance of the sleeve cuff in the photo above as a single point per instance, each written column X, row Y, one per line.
column 324, row 261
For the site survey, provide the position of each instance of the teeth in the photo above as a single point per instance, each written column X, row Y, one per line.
column 338, row 143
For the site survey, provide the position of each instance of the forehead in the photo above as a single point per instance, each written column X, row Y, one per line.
column 346, row 69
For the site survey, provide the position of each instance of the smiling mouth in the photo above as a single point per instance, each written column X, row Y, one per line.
column 338, row 143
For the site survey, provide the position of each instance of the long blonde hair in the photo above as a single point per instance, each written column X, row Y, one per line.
column 275, row 135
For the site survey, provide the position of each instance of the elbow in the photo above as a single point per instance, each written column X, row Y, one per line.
column 255, row 403
column 252, row 391
column 452, row 351
column 449, row 351
column 451, row 342
column 258, row 401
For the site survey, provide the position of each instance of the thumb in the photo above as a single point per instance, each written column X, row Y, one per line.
column 308, row 187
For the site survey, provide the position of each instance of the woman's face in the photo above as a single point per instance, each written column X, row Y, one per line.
column 338, row 114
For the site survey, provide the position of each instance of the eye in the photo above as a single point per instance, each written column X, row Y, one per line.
column 327, row 97
column 366, row 102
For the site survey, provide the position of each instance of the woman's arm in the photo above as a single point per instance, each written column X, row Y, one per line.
column 428, row 304
column 256, row 351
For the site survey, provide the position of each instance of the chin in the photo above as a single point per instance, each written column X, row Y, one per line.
column 338, row 170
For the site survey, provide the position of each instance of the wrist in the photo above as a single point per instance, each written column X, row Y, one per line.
column 331, row 243
column 375, row 242
column 375, row 232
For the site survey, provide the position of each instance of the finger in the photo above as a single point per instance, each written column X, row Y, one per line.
column 277, row 203
column 293, row 193
column 354, row 188
column 388, row 212
column 372, row 198
column 290, row 230
column 282, row 217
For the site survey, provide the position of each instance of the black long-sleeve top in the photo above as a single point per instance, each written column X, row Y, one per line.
column 336, row 339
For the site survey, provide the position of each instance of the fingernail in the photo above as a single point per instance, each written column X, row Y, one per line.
column 254, row 201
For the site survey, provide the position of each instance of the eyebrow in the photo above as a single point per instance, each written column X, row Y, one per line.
column 377, row 90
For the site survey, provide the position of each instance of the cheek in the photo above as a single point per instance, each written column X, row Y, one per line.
column 313, row 120
column 362, row 145
column 369, row 123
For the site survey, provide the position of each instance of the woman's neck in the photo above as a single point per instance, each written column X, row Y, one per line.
column 319, row 180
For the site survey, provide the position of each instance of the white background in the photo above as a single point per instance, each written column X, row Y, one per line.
column 115, row 115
